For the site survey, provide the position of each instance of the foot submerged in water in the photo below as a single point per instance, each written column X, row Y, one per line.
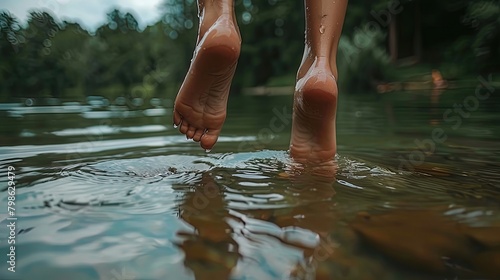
column 200, row 106
column 315, row 105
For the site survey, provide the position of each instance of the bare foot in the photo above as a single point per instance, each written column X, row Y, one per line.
column 200, row 106
column 315, row 105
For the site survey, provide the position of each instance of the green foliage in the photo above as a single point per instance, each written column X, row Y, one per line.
column 479, row 49
column 459, row 59
column 35, row 66
column 272, row 41
column 281, row 81
column 9, row 41
column 179, row 15
column 485, row 17
column 45, row 57
column 362, row 61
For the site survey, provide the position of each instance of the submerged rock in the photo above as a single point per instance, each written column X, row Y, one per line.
column 428, row 241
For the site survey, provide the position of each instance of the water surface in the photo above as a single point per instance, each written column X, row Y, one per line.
column 113, row 193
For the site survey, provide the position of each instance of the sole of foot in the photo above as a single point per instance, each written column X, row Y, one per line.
column 200, row 106
column 315, row 105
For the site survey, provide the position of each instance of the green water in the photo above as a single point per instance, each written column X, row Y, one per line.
column 109, row 193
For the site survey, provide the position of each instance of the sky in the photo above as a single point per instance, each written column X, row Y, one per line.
column 89, row 13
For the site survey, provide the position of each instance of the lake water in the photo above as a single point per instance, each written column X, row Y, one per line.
column 110, row 193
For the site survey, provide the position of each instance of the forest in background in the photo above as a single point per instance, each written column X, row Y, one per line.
column 46, row 57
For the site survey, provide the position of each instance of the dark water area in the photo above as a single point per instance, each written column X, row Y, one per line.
column 111, row 193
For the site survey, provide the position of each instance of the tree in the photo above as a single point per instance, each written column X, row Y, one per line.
column 124, row 61
column 69, row 50
column 10, row 41
column 34, row 68
column 272, row 40
column 484, row 16
column 179, row 15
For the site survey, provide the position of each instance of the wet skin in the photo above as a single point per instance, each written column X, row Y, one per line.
column 200, row 106
column 315, row 100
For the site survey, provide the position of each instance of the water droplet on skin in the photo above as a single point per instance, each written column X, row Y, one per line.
column 322, row 29
column 207, row 150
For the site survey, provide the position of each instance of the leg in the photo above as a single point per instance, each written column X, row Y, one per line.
column 200, row 105
column 315, row 99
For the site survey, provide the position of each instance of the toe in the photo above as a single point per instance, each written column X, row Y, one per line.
column 177, row 118
column 191, row 131
column 209, row 139
column 184, row 127
column 197, row 135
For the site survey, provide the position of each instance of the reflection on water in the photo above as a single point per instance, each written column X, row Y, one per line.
column 102, row 196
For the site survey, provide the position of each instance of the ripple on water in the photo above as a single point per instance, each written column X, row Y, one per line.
column 257, row 197
column 254, row 180
column 141, row 185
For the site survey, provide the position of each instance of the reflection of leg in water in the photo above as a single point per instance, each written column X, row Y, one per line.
column 200, row 106
column 435, row 116
column 210, row 252
column 310, row 189
column 315, row 99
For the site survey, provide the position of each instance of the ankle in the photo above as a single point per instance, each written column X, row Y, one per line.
column 213, row 10
column 311, row 59
column 208, row 19
column 333, row 67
